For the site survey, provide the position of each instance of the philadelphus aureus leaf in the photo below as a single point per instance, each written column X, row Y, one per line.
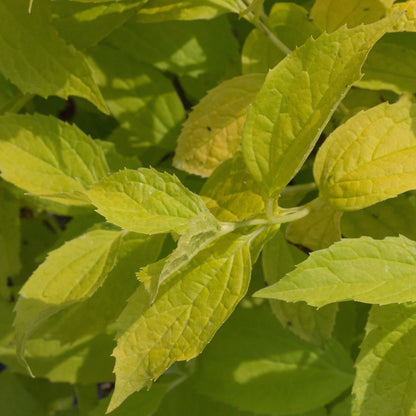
column 311, row 324
column 319, row 229
column 369, row 158
column 364, row 270
column 231, row 193
column 407, row 20
column 49, row 158
column 212, row 132
column 161, row 10
column 298, row 97
column 192, row 304
column 39, row 61
column 329, row 15
column 385, row 382
column 145, row 201
column 70, row 274
column 200, row 232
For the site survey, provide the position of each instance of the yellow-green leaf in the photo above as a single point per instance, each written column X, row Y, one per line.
column 212, row 132
column 49, row 158
column 145, row 201
column 385, row 384
column 37, row 60
column 329, row 15
column 319, row 229
column 297, row 99
column 192, row 304
column 70, row 274
column 231, row 193
column 364, row 270
column 407, row 20
column 370, row 158
column 200, row 232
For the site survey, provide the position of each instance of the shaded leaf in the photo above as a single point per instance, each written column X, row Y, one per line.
column 161, row 10
column 311, row 324
column 272, row 371
column 290, row 23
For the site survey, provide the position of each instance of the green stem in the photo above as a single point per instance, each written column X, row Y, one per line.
column 260, row 21
column 262, row 25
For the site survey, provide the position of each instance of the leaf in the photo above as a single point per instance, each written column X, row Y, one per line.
column 290, row 23
column 21, row 396
column 185, row 400
column 255, row 364
column 212, row 132
column 319, row 229
column 298, row 98
column 161, row 10
column 369, row 158
column 143, row 403
column 311, row 324
column 329, row 15
column 364, row 270
column 200, row 232
column 104, row 307
column 9, row 238
column 388, row 218
column 9, row 95
column 47, row 157
column 190, row 307
column 145, row 201
column 115, row 160
column 407, row 21
column 53, row 68
column 381, row 70
column 70, row 274
column 141, row 99
column 385, row 367
column 84, row 24
column 231, row 193
column 183, row 48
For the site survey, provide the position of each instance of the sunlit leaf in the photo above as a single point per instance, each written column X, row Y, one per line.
column 70, row 274
column 212, row 132
column 369, row 158
column 192, row 304
column 145, row 201
column 297, row 99
column 385, row 380
column 364, row 270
